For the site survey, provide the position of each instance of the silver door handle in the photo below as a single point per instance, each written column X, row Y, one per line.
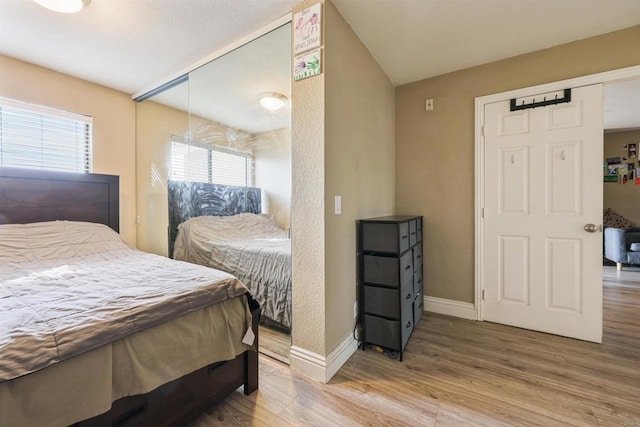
column 591, row 228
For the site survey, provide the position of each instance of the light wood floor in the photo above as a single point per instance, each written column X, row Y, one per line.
column 275, row 343
column 459, row 373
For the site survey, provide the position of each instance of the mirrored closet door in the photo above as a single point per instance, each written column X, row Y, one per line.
column 214, row 174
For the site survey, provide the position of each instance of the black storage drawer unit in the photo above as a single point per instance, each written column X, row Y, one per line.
column 390, row 279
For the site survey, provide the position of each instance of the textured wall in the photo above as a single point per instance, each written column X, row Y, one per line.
column 307, row 211
column 359, row 161
column 113, row 115
column 435, row 150
column 622, row 198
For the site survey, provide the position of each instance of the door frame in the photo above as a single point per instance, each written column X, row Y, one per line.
column 480, row 102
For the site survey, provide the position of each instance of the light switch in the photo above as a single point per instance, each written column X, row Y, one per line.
column 338, row 205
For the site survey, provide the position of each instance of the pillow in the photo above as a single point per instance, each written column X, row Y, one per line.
column 613, row 219
column 53, row 240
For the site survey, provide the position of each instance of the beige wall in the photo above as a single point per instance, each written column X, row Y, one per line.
column 155, row 124
column 622, row 198
column 113, row 115
column 342, row 144
column 435, row 149
column 272, row 172
column 359, row 161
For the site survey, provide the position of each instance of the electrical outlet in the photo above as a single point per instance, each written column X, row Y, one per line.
column 428, row 104
column 338, row 205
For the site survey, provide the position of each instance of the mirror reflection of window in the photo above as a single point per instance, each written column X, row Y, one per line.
column 195, row 163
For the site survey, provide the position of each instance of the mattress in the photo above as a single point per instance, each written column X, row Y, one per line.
column 249, row 246
column 67, row 288
column 85, row 385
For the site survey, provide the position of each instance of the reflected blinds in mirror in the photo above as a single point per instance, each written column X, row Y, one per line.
column 209, row 165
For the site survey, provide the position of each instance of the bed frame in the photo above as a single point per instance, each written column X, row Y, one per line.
column 34, row 196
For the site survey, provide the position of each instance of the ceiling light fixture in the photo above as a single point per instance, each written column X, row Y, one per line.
column 272, row 100
column 64, row 6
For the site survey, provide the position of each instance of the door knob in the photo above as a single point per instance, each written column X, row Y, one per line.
column 591, row 228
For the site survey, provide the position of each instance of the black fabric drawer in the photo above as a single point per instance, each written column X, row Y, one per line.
column 406, row 322
column 388, row 270
column 382, row 301
column 412, row 232
column 406, row 294
column 385, row 333
column 417, row 281
column 418, row 308
column 419, row 229
column 381, row 270
column 417, row 256
column 389, row 238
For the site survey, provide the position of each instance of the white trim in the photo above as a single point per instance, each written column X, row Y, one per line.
column 480, row 102
column 322, row 368
column 339, row 355
column 285, row 19
column 46, row 110
column 464, row 310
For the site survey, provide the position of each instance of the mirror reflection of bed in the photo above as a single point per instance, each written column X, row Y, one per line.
column 223, row 227
column 207, row 129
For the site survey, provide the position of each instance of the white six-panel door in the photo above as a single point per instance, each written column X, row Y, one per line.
column 543, row 184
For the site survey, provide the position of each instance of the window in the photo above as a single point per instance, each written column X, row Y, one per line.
column 37, row 137
column 214, row 165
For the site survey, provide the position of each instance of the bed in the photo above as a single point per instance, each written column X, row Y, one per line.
column 221, row 227
column 77, row 346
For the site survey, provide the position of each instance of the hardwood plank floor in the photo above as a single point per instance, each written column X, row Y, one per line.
column 459, row 372
column 275, row 343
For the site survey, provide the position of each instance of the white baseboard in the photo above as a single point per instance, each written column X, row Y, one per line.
column 465, row 310
column 321, row 368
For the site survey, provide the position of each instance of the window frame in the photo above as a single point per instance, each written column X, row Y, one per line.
column 84, row 144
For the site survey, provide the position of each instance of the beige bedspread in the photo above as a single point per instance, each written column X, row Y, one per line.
column 67, row 288
column 86, row 385
column 249, row 246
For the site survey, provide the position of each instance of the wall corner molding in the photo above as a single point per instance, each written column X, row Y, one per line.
column 322, row 368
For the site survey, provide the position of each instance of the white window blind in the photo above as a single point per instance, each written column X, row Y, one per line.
column 213, row 165
column 37, row 137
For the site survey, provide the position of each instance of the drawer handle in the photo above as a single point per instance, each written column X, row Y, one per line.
column 408, row 296
column 408, row 325
column 420, row 281
column 404, row 237
column 421, row 304
column 419, row 256
column 407, row 267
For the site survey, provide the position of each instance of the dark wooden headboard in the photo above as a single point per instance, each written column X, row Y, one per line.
column 30, row 195
column 192, row 199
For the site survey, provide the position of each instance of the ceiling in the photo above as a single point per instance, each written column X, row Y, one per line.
column 129, row 45
column 228, row 89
